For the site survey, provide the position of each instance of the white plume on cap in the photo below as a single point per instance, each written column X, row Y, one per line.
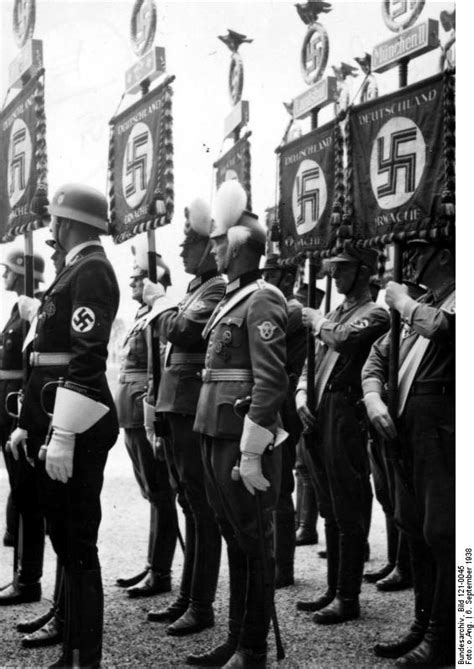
column 140, row 251
column 199, row 216
column 231, row 201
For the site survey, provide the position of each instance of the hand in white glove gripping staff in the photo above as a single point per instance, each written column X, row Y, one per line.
column 74, row 413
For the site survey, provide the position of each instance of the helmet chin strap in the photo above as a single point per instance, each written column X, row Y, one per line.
column 419, row 275
column 355, row 279
column 204, row 256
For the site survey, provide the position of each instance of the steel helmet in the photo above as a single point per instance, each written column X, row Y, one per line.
column 81, row 203
column 15, row 261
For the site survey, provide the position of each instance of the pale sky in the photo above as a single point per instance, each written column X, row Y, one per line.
column 87, row 49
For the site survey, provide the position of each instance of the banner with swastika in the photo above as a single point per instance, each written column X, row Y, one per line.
column 397, row 146
column 307, row 191
column 235, row 164
column 141, row 189
column 23, row 162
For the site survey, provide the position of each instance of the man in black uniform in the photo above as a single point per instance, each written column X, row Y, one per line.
column 149, row 465
column 74, row 322
column 424, row 427
column 339, row 455
column 178, row 394
column 29, row 533
column 283, row 277
column 245, row 360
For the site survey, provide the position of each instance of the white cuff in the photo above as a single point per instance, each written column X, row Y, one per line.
column 255, row 438
column 75, row 412
column 160, row 305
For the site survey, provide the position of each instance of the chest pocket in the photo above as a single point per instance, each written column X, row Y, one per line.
column 230, row 333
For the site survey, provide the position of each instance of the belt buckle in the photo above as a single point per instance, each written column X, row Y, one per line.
column 206, row 375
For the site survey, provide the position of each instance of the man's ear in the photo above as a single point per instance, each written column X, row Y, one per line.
column 445, row 257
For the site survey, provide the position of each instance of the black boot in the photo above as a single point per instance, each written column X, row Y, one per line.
column 132, row 580
column 28, row 626
column 284, row 548
column 163, row 535
column 50, row 632
column 351, row 563
column 218, row 656
column 207, row 556
column 245, row 658
column 392, row 547
column 177, row 608
column 82, row 644
column 332, row 543
column 400, row 577
column 306, row 513
column 423, row 581
column 20, row 593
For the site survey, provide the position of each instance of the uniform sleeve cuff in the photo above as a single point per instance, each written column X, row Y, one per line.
column 319, row 325
column 148, row 414
column 372, row 385
column 255, row 438
column 408, row 310
column 75, row 412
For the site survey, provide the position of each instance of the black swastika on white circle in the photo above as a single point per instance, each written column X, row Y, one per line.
column 83, row 319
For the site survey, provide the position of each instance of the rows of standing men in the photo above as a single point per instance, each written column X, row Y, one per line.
column 212, row 398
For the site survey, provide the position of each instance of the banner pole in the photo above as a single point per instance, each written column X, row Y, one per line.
column 397, row 277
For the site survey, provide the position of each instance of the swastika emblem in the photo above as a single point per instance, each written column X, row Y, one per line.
column 137, row 164
column 19, row 161
column 83, row 320
column 401, row 14
column 309, row 196
column 397, row 162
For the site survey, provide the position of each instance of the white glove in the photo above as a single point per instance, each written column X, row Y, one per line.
column 59, row 455
column 16, row 441
column 150, row 434
column 251, row 473
column 152, row 292
column 28, row 307
column 379, row 416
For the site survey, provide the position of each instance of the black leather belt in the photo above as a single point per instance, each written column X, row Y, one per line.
column 432, row 388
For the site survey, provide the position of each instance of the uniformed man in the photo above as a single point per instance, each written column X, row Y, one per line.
column 47, row 628
column 424, row 469
column 306, row 501
column 74, row 322
column 29, row 534
column 149, row 465
column 245, row 385
column 178, row 394
column 340, row 458
column 283, row 276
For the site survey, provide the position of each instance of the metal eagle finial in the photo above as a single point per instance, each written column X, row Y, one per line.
column 310, row 11
column 345, row 70
column 365, row 63
column 233, row 39
column 448, row 20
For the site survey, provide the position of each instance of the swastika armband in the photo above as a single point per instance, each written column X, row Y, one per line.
column 83, row 319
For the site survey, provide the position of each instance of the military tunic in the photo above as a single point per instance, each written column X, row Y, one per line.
column 22, row 477
column 245, row 360
column 178, row 394
column 72, row 334
column 151, row 471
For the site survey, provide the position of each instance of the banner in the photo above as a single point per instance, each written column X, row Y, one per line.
column 235, row 164
column 141, row 180
column 23, row 162
column 398, row 154
column 307, row 191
